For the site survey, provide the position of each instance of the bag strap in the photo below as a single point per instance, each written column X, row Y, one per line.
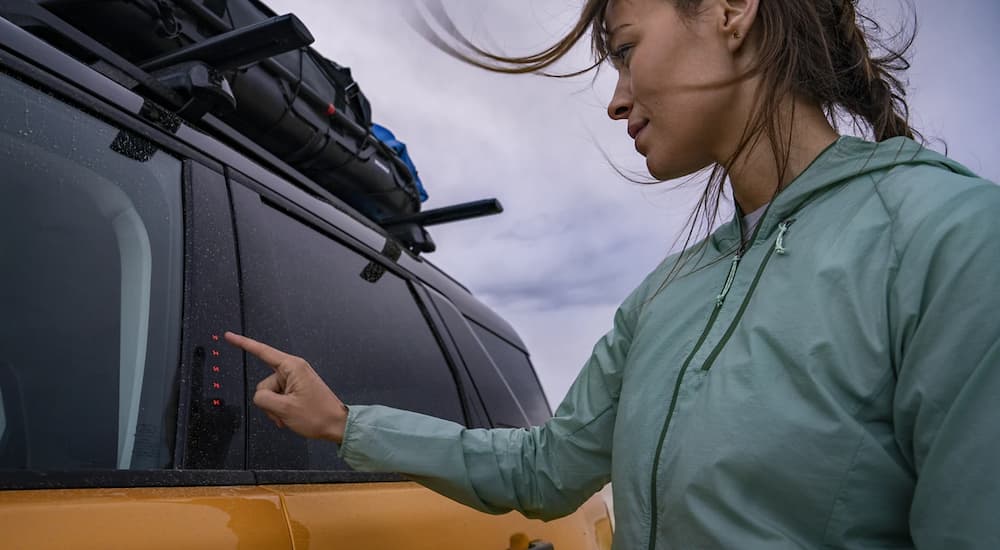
column 169, row 26
column 348, row 91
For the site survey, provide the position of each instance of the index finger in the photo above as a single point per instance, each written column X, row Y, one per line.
column 270, row 356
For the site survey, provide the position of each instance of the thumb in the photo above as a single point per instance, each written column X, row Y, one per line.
column 271, row 402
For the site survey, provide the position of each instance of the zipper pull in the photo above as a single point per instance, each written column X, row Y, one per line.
column 779, row 245
column 729, row 281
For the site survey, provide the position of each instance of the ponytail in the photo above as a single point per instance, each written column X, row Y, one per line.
column 867, row 87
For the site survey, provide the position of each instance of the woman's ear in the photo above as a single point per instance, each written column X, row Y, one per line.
column 737, row 19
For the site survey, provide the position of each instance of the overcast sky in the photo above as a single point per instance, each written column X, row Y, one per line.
column 575, row 237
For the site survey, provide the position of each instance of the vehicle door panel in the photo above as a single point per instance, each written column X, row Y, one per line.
column 164, row 518
column 406, row 516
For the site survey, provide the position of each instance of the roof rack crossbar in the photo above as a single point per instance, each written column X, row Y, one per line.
column 447, row 214
column 240, row 47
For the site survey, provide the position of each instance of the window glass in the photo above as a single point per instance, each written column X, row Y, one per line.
column 357, row 324
column 516, row 369
column 90, row 289
column 497, row 398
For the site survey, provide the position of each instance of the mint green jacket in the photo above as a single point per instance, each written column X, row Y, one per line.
column 837, row 384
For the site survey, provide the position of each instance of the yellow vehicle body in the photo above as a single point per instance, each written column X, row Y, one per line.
column 374, row 516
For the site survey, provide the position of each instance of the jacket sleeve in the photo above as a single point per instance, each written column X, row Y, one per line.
column 545, row 472
column 945, row 307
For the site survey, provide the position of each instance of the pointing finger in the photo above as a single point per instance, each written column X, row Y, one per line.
column 270, row 356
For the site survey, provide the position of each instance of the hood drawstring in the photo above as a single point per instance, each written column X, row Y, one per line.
column 729, row 281
column 779, row 245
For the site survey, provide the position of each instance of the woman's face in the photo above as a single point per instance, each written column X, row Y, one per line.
column 677, row 83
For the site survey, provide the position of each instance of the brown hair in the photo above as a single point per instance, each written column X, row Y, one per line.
column 819, row 50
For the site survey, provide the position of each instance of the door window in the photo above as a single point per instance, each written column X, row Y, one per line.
column 90, row 289
column 355, row 321
column 517, row 371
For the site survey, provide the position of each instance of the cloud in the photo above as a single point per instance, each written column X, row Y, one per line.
column 575, row 238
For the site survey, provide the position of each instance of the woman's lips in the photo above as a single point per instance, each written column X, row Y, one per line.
column 636, row 127
column 639, row 134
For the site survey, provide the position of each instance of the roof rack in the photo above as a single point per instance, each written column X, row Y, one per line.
column 410, row 228
column 199, row 79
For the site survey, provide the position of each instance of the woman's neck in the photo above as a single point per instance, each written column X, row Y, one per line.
column 755, row 175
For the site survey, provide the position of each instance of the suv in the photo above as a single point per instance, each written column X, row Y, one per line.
column 132, row 241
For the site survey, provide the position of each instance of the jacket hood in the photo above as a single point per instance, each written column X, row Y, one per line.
column 844, row 160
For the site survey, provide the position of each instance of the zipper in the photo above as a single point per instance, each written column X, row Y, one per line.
column 719, row 300
column 779, row 248
column 729, row 281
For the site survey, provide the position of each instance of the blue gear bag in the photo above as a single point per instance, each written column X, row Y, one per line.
column 386, row 136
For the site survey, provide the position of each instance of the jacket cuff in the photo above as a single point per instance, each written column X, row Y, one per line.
column 351, row 436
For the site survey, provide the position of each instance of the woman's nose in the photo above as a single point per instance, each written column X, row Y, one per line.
column 621, row 102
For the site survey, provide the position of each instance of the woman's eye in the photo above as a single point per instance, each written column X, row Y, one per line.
column 620, row 56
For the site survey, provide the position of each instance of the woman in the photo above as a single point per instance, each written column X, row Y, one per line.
column 823, row 370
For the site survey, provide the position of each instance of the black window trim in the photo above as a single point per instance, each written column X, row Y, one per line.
column 201, row 305
column 484, row 420
column 132, row 479
column 475, row 413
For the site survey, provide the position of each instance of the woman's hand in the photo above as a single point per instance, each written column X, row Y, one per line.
column 294, row 395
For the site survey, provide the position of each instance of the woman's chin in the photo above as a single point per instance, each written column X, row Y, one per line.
column 664, row 171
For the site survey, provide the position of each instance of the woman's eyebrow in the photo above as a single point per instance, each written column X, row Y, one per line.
column 611, row 33
column 618, row 28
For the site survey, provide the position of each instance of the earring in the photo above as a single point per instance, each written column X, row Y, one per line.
column 736, row 35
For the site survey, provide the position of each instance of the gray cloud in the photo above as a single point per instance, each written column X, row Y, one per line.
column 575, row 238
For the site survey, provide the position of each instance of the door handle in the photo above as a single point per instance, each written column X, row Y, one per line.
column 519, row 541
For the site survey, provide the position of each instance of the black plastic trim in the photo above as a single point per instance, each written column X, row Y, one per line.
column 213, row 374
column 312, row 477
column 476, row 414
column 455, row 366
column 84, row 479
column 183, row 381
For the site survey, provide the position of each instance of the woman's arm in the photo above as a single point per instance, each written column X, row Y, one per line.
column 545, row 471
column 945, row 308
